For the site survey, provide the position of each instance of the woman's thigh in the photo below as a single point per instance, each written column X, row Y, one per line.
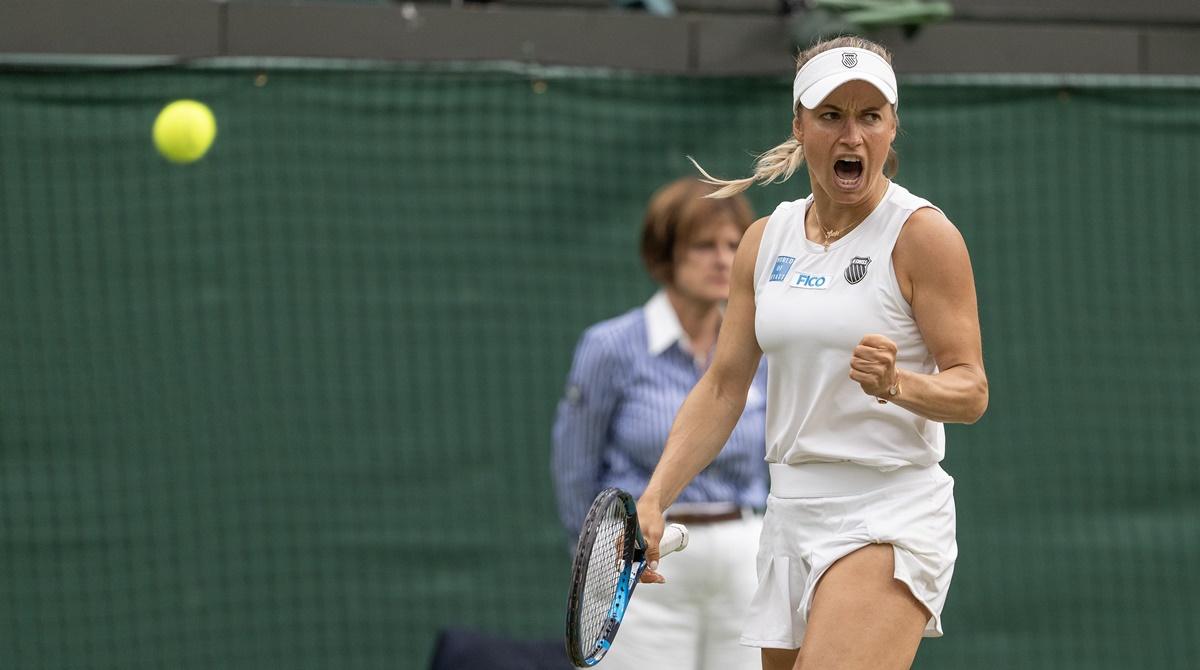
column 862, row 617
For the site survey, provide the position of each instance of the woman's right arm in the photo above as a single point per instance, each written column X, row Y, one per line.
column 708, row 416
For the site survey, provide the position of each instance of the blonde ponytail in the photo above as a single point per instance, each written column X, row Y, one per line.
column 776, row 165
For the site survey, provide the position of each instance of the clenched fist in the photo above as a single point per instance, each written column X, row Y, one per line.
column 873, row 365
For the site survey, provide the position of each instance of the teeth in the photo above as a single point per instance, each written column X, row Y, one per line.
column 851, row 160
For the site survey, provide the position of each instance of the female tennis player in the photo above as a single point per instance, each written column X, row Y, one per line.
column 862, row 298
column 629, row 377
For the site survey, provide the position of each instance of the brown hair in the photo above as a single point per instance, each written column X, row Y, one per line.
column 674, row 216
column 780, row 163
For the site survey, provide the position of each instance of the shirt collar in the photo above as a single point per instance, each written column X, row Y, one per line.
column 662, row 325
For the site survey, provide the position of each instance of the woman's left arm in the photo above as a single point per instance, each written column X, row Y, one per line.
column 934, row 271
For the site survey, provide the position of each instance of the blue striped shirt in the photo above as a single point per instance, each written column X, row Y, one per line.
column 629, row 377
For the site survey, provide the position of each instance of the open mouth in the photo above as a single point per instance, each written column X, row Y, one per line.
column 849, row 171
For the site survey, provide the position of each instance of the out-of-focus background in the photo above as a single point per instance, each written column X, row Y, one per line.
column 289, row 406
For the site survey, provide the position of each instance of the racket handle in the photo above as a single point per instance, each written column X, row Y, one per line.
column 675, row 538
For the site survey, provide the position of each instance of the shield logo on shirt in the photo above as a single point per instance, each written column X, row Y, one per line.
column 857, row 269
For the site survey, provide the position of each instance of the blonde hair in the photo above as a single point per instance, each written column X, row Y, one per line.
column 780, row 163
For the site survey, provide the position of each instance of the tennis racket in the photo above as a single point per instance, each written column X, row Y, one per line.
column 609, row 559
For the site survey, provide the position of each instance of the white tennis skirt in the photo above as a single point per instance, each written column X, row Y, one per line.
column 819, row 512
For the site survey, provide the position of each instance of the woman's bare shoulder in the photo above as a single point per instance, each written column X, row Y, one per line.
column 928, row 236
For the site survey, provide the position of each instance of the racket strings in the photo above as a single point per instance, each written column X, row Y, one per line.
column 603, row 575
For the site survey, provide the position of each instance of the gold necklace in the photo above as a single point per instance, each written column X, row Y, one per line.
column 830, row 235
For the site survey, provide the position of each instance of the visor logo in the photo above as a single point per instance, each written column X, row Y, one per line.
column 849, row 59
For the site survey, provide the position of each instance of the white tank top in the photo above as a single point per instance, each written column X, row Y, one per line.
column 812, row 308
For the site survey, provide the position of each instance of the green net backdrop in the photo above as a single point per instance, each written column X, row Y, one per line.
column 290, row 406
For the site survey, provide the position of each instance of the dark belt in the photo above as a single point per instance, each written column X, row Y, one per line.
column 694, row 519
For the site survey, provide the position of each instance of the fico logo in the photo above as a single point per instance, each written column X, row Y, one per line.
column 810, row 281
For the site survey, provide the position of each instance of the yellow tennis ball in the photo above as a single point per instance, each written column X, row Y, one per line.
column 184, row 130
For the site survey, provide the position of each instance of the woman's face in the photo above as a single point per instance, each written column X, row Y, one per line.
column 704, row 264
column 846, row 141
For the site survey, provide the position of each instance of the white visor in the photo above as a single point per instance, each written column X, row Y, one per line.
column 826, row 71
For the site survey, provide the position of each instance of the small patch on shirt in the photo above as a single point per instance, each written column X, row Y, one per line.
column 857, row 270
column 782, row 265
column 810, row 281
column 573, row 394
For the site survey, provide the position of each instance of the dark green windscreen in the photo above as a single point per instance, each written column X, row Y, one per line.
column 290, row 406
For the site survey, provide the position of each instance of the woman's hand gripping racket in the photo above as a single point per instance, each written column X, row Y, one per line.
column 609, row 560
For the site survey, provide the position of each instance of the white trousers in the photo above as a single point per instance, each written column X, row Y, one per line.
column 694, row 620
